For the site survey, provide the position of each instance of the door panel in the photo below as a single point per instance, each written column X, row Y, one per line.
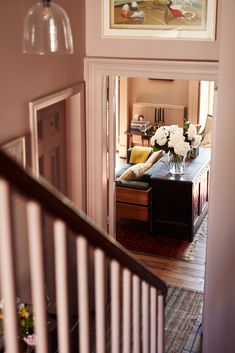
column 52, row 166
column 52, row 144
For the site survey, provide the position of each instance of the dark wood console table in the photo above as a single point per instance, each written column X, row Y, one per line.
column 179, row 203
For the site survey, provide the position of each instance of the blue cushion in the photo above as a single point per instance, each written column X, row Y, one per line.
column 123, row 169
column 147, row 175
column 132, row 184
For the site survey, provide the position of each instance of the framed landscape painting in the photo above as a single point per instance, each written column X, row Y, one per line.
column 178, row 19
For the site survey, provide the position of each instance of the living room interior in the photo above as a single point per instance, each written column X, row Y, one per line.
column 195, row 97
column 183, row 100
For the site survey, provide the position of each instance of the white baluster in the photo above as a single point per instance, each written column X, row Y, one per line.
column 126, row 311
column 37, row 275
column 100, row 300
column 145, row 316
column 83, row 295
column 160, row 343
column 136, row 314
column 115, row 307
column 61, row 286
column 153, row 320
column 7, row 270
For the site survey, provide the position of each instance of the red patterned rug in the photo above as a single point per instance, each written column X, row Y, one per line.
column 134, row 235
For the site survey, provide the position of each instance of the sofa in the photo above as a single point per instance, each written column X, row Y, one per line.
column 133, row 194
column 143, row 180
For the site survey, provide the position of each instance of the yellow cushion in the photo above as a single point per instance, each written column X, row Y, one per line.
column 135, row 171
column 154, row 157
column 139, row 154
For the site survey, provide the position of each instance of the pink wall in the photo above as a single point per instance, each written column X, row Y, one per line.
column 220, row 280
column 97, row 45
column 157, row 91
column 26, row 77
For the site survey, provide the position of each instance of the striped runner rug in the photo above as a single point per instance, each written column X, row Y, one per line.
column 181, row 312
column 182, row 309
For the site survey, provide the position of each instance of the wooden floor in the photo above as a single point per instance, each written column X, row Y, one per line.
column 183, row 273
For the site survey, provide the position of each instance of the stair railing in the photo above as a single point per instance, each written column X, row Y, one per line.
column 128, row 297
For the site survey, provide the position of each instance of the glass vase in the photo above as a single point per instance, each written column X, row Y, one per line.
column 176, row 164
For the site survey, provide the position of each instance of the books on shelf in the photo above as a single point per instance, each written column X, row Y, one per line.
column 141, row 125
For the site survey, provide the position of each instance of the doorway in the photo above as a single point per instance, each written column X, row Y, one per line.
column 101, row 195
column 57, row 125
column 71, row 102
column 182, row 100
column 100, row 145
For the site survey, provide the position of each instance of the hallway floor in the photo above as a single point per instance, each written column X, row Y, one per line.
column 194, row 342
column 186, row 274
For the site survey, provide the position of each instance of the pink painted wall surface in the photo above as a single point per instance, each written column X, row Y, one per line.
column 220, row 280
column 97, row 45
column 157, row 91
column 27, row 77
column 24, row 78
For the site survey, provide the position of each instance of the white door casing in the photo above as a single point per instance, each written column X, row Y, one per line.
column 123, row 116
column 95, row 71
column 111, row 150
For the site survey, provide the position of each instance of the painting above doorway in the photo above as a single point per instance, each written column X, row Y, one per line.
column 178, row 19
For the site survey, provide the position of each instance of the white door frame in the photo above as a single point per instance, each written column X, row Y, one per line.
column 95, row 71
column 75, row 138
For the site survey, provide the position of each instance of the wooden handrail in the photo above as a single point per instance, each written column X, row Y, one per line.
column 61, row 207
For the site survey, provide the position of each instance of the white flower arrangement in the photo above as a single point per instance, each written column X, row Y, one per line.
column 176, row 140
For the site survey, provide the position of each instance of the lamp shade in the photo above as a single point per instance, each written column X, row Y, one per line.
column 47, row 30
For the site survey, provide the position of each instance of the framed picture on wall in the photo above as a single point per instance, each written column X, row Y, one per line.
column 173, row 19
column 16, row 149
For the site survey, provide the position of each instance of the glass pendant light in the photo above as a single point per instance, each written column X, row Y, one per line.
column 47, row 30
